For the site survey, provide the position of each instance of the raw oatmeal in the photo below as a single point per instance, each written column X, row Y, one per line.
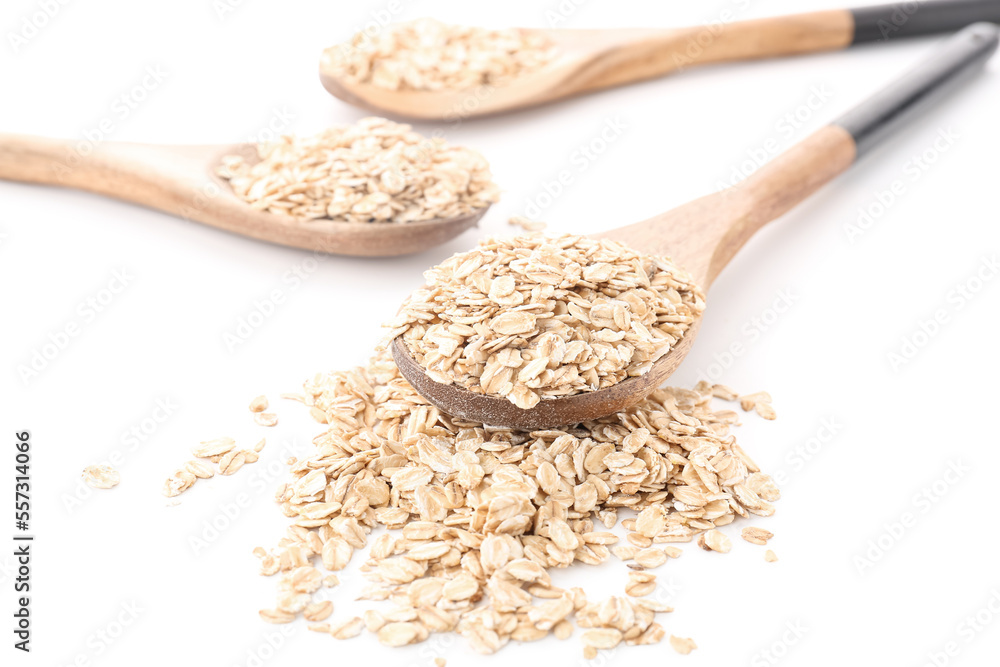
column 535, row 317
column 463, row 522
column 374, row 171
column 429, row 55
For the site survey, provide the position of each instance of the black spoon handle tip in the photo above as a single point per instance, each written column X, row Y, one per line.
column 912, row 19
column 960, row 56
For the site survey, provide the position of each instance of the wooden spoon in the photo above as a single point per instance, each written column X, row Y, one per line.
column 181, row 180
column 705, row 234
column 589, row 60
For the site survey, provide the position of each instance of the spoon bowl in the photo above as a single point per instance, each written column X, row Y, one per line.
column 705, row 234
column 181, row 181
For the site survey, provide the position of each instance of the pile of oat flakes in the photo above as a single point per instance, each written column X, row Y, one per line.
column 535, row 317
column 375, row 171
column 429, row 55
column 478, row 516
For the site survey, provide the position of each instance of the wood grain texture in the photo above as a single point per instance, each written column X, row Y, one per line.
column 705, row 234
column 180, row 180
column 591, row 60
column 661, row 53
column 702, row 236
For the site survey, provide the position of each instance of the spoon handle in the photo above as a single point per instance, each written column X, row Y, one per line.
column 108, row 168
column 704, row 235
column 959, row 57
column 47, row 161
column 639, row 54
column 168, row 178
column 793, row 176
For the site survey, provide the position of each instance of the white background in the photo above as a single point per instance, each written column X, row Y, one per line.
column 854, row 299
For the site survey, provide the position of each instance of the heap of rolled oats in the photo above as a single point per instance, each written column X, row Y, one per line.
column 477, row 516
column 372, row 171
column 535, row 317
column 429, row 55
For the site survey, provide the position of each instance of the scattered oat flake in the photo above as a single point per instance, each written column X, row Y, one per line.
column 347, row 629
column 460, row 526
column 650, row 558
column 756, row 535
column 101, row 476
column 640, row 584
column 265, row 418
column 258, row 404
column 682, row 645
column 602, row 638
column 770, row 556
column 714, row 540
column 231, row 462
column 527, row 224
column 277, row 616
column 318, row 611
column 199, row 469
column 210, row 448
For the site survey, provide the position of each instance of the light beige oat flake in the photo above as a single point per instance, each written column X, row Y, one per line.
column 231, row 462
column 265, row 418
column 602, row 638
column 199, row 469
column 101, row 477
column 770, row 556
column 683, row 645
column 640, row 584
column 713, row 540
column 527, row 224
column 398, row 634
column 258, row 404
column 276, row 616
column 756, row 535
column 651, row 558
column 210, row 448
column 563, row 630
column 347, row 629
column 318, row 611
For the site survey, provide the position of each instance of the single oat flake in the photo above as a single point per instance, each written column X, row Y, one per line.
column 527, row 224
column 683, row 645
column 755, row 535
column 101, row 476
